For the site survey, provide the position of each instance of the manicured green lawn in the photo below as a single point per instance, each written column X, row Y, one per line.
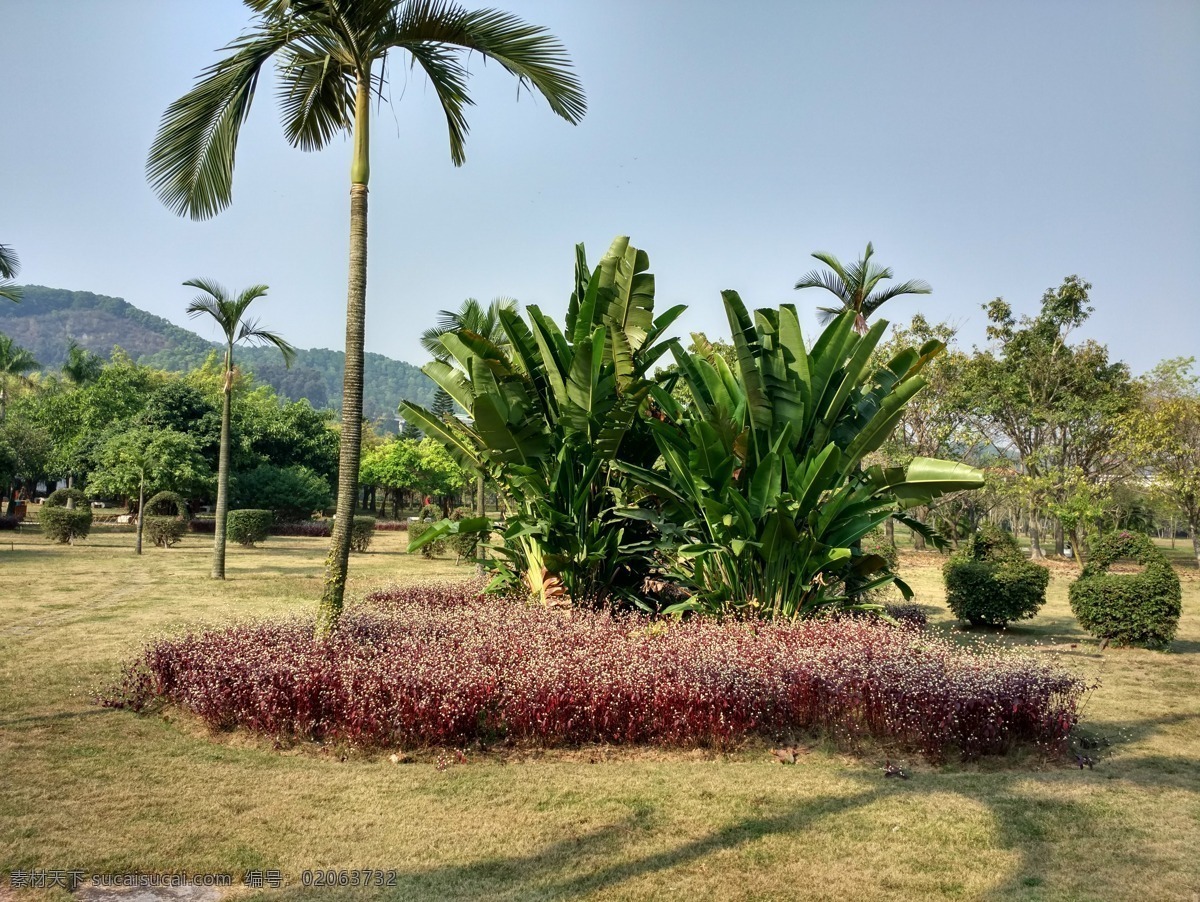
column 110, row 792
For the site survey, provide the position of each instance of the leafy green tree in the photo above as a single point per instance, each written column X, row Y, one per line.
column 1162, row 435
column 935, row 424
column 1051, row 405
column 394, row 466
column 15, row 366
column 438, row 474
column 134, row 461
column 229, row 313
column 10, row 265
column 333, row 55
column 857, row 287
column 30, row 452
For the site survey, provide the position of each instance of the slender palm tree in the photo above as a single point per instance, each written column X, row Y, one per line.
column 855, row 286
column 81, row 366
column 10, row 265
column 229, row 313
column 15, row 365
column 332, row 58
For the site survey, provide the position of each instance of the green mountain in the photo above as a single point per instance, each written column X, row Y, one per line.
column 47, row 318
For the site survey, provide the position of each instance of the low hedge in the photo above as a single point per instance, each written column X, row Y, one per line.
column 1127, row 608
column 63, row 524
column 991, row 582
column 7, row 522
column 249, row 527
column 165, row 519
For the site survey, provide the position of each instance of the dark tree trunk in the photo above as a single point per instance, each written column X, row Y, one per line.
column 1035, row 538
column 141, row 519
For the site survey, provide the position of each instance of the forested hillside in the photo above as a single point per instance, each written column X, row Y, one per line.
column 48, row 318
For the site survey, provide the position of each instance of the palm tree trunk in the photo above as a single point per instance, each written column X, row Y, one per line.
column 141, row 510
column 222, row 515
column 480, row 511
column 338, row 562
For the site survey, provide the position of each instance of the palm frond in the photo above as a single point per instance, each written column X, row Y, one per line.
column 252, row 334
column 190, row 165
column 449, row 79
column 434, row 31
column 316, row 95
column 10, row 263
column 830, row 281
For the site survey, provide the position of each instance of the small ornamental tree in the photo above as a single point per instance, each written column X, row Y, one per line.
column 1128, row 608
column 166, row 517
column 143, row 459
column 991, row 582
column 66, row 516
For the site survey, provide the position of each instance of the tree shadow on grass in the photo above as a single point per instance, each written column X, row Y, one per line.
column 580, row 865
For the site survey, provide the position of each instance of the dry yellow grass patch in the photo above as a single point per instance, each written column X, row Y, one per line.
column 108, row 791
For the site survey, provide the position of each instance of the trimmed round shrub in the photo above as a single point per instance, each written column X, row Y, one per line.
column 166, row 519
column 467, row 544
column 431, row 512
column 361, row 533
column 433, row 549
column 1127, row 608
column 292, row 493
column 63, row 524
column 248, row 527
column 991, row 582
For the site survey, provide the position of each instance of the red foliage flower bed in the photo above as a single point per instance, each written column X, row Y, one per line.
column 442, row 666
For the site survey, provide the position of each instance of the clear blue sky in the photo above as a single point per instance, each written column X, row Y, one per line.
column 991, row 149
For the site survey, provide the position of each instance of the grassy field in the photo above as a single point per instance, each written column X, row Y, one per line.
column 110, row 792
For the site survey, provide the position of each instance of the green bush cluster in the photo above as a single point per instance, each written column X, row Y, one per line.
column 165, row 519
column 249, row 527
column 1127, row 608
column 64, row 524
column 361, row 533
column 291, row 493
column 990, row 581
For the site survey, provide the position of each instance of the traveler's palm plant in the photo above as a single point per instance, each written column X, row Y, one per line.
column 551, row 413
column 760, row 498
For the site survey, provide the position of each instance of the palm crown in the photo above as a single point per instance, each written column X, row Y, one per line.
column 326, row 50
column 229, row 314
column 473, row 317
column 855, row 285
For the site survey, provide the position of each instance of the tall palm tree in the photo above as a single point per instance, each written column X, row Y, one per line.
column 10, row 265
column 81, row 366
column 855, row 286
column 15, row 364
column 332, row 57
column 229, row 313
